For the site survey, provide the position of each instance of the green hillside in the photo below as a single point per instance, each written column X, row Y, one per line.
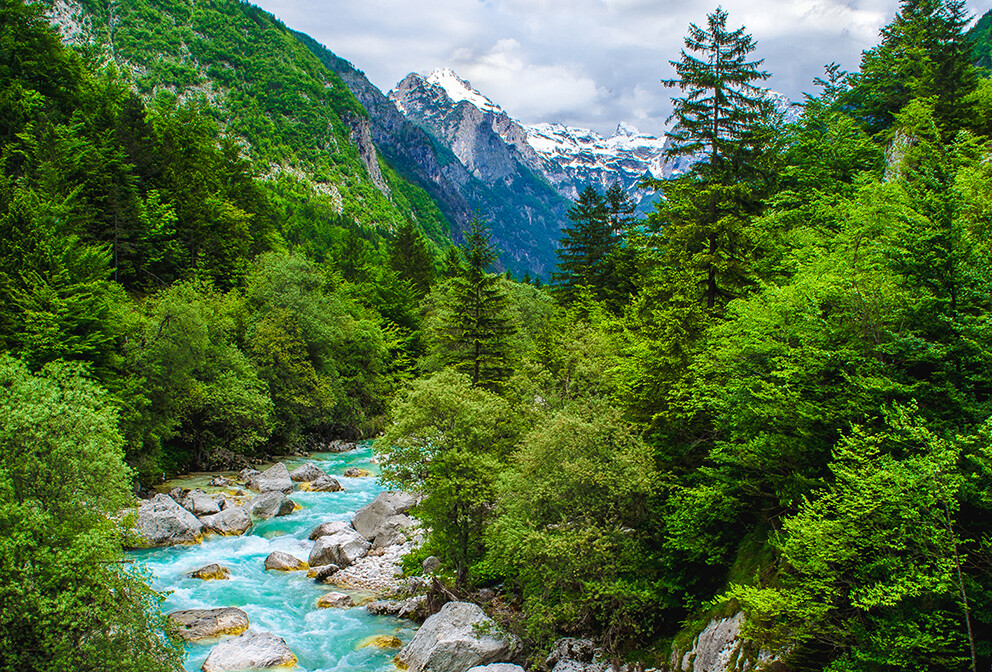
column 295, row 119
column 981, row 37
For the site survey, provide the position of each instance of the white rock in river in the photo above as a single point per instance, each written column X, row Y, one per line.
column 456, row 639
column 284, row 562
column 162, row 522
column 328, row 528
column 232, row 521
column 370, row 520
column 199, row 503
column 307, row 472
column 271, row 505
column 196, row 624
column 250, row 651
column 341, row 548
column 274, row 479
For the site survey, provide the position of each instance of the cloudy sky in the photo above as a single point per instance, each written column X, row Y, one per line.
column 586, row 63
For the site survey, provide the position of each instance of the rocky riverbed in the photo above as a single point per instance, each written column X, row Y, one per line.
column 282, row 602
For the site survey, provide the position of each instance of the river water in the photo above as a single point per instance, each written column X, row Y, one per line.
column 283, row 603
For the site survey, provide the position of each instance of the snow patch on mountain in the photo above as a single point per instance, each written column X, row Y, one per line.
column 628, row 150
column 459, row 89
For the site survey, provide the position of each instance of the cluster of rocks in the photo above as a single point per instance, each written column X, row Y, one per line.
column 183, row 516
column 248, row 650
column 365, row 553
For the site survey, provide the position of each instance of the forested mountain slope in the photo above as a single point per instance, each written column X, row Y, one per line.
column 305, row 132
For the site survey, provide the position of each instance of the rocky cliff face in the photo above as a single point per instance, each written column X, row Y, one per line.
column 506, row 181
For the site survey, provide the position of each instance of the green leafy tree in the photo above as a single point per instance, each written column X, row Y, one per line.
column 410, row 258
column 575, row 536
column 68, row 600
column 448, row 440
column 873, row 568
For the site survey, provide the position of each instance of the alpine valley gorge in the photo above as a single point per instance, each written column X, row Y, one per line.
column 296, row 373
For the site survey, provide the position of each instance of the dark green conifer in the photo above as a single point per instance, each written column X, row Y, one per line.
column 410, row 258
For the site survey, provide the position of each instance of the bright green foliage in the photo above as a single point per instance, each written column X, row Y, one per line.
column 473, row 328
column 322, row 355
column 924, row 53
column 448, row 440
column 871, row 567
column 203, row 393
column 67, row 599
column 981, row 38
column 572, row 527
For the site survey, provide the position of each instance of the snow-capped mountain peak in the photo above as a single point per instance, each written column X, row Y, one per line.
column 459, row 89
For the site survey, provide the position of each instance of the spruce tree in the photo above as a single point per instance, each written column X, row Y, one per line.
column 705, row 213
column 924, row 53
column 478, row 329
column 584, row 246
column 410, row 258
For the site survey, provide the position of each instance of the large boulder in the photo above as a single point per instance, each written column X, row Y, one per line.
column 341, row 548
column 308, row 472
column 284, row 562
column 212, row 572
column 323, row 484
column 199, row 503
column 196, row 624
column 271, row 505
column 335, row 601
column 393, row 531
column 328, row 528
column 456, row 639
column 370, row 519
column 274, row 479
column 230, row 522
column 162, row 522
column 250, row 651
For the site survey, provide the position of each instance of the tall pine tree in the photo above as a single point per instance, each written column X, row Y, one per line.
column 477, row 331
column 705, row 213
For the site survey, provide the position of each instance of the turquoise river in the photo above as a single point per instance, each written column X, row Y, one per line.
column 283, row 603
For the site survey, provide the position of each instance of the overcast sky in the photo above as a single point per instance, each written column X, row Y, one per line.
column 586, row 63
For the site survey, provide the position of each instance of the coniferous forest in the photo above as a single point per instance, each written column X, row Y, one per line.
column 771, row 396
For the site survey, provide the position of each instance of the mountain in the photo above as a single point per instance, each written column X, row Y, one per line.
column 507, row 181
column 584, row 157
column 981, row 38
column 304, row 131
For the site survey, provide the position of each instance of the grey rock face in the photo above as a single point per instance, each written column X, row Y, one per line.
column 361, row 137
column 162, row 522
column 342, row 548
column 719, row 648
column 321, row 573
column 196, row 624
column 325, row 483
column 212, row 572
column 327, row 529
column 231, row 521
column 271, row 505
column 307, row 472
column 371, row 519
column 431, row 564
column 250, row 651
column 498, row 667
column 456, row 639
column 393, row 531
column 274, row 479
column 284, row 562
column 199, row 503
